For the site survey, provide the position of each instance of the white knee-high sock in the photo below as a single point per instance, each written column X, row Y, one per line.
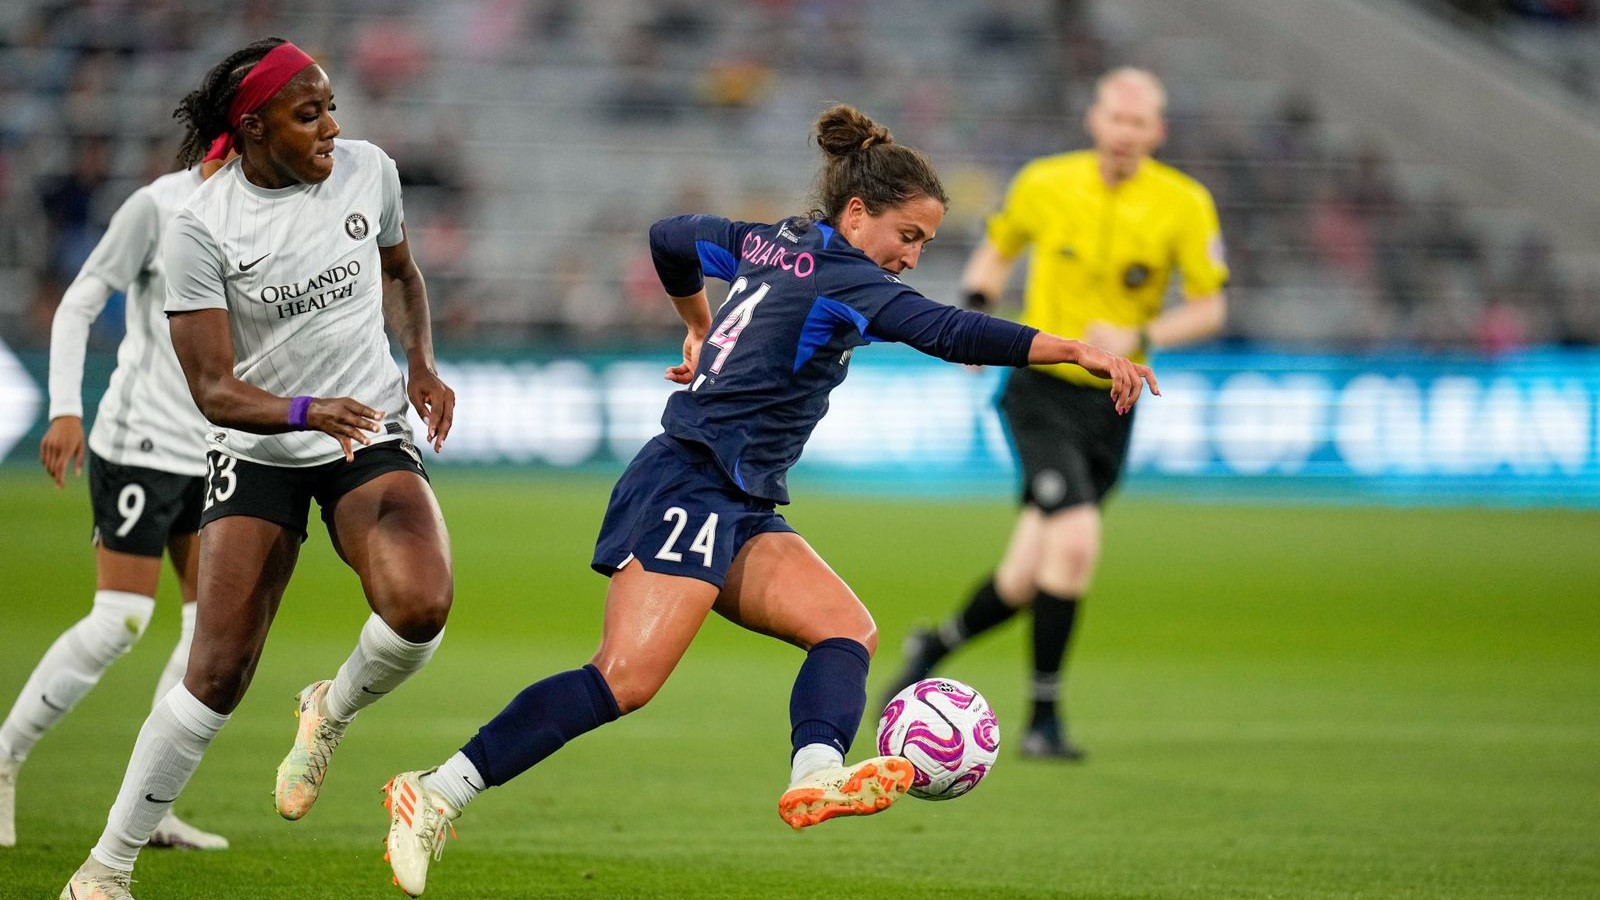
column 178, row 662
column 381, row 662
column 166, row 754
column 73, row 665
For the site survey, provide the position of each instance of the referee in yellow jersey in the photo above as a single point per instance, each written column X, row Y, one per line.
column 1107, row 227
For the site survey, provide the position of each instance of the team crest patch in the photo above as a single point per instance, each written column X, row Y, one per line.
column 355, row 225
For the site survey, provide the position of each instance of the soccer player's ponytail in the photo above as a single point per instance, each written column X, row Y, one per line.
column 861, row 159
column 204, row 112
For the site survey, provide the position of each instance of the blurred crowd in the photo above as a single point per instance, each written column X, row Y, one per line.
column 1561, row 37
column 536, row 140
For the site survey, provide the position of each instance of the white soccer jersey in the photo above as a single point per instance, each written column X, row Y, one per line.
column 297, row 270
column 146, row 417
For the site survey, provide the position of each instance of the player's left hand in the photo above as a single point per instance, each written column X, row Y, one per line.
column 683, row 372
column 1128, row 378
column 435, row 403
column 1112, row 338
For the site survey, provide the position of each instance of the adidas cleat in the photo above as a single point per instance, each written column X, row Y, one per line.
column 418, row 822
column 176, row 834
column 301, row 773
column 96, row 881
column 859, row 790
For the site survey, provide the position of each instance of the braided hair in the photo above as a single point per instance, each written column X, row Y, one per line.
column 204, row 112
column 861, row 159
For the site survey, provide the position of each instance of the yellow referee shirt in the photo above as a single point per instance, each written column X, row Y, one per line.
column 1106, row 254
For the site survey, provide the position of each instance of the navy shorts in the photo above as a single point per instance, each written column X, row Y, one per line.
column 1069, row 440
column 677, row 513
column 283, row 494
column 137, row 510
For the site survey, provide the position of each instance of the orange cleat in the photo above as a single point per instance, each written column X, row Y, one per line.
column 859, row 790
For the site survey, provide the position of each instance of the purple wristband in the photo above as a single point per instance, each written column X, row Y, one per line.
column 298, row 407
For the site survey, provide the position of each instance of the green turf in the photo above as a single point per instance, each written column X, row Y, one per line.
column 1278, row 702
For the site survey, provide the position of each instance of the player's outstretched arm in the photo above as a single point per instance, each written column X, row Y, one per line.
column 406, row 310
column 205, row 350
column 1127, row 377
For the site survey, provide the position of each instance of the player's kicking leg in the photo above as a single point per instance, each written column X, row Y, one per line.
column 779, row 586
column 840, row 790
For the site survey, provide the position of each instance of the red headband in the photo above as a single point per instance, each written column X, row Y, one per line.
column 260, row 84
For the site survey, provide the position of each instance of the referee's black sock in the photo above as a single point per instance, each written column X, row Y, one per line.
column 984, row 611
column 1053, row 618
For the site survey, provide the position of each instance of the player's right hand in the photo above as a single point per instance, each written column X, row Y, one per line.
column 62, row 444
column 683, row 373
column 348, row 421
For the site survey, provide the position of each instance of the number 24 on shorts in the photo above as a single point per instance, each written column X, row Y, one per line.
column 704, row 543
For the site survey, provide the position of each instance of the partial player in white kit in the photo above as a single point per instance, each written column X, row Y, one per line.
column 276, row 271
column 146, row 462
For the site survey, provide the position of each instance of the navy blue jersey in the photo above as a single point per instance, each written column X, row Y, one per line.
column 800, row 299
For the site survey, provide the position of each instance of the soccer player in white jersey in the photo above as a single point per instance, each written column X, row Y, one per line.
column 146, row 457
column 276, row 268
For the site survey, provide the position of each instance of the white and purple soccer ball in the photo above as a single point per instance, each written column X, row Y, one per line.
column 948, row 732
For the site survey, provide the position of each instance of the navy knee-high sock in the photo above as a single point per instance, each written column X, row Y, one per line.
column 539, row 721
column 830, row 694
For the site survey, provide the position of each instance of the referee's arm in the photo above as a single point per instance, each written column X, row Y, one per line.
column 1193, row 320
column 984, row 279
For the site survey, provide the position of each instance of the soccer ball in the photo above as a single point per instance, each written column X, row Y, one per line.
column 948, row 732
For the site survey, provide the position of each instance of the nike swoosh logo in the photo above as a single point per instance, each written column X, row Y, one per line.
column 154, row 800
column 366, row 690
column 247, row 266
column 46, row 700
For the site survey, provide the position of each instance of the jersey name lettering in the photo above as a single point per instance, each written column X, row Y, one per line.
column 758, row 251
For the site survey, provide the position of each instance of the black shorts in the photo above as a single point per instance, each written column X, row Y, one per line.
column 1069, row 440
column 137, row 510
column 283, row 494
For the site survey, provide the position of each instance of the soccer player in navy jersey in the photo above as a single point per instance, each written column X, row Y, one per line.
column 692, row 526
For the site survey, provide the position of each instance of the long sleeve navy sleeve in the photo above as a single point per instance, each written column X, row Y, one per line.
column 672, row 249
column 955, row 335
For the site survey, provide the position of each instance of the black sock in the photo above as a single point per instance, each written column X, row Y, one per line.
column 539, row 721
column 829, row 695
column 1053, row 618
column 984, row 611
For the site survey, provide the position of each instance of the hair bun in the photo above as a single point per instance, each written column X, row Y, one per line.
column 843, row 130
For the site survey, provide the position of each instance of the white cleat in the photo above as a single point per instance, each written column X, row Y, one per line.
column 418, row 822
column 8, row 802
column 865, row 788
column 96, row 881
column 176, row 834
column 301, row 773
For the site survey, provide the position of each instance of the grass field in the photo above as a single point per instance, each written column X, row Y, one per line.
column 1278, row 702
